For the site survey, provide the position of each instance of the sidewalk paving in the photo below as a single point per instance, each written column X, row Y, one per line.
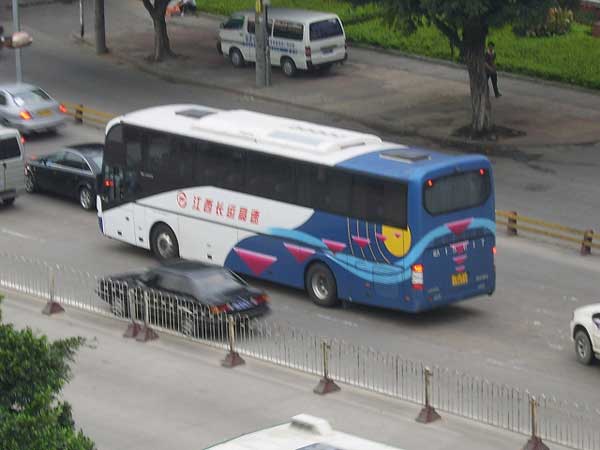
column 173, row 393
column 382, row 90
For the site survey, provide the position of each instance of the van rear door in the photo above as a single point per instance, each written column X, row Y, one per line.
column 327, row 41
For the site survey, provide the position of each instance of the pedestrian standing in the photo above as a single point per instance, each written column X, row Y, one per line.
column 490, row 67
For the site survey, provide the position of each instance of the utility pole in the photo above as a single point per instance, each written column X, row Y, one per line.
column 81, row 24
column 99, row 26
column 261, row 30
column 16, row 29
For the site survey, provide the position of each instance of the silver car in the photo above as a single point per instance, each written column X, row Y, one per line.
column 29, row 108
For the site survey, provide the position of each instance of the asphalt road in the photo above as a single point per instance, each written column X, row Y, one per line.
column 518, row 337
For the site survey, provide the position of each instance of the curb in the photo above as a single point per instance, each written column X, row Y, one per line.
column 489, row 148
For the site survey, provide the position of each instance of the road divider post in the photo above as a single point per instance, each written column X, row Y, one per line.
column 233, row 358
column 52, row 307
column 326, row 384
column 428, row 413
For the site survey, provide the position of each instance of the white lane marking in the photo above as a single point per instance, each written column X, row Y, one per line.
column 21, row 235
column 334, row 319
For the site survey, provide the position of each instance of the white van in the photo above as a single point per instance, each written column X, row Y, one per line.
column 12, row 166
column 298, row 39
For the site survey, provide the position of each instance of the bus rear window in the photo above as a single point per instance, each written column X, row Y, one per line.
column 456, row 192
column 325, row 29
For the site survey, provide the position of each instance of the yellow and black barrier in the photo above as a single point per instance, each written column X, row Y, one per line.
column 515, row 222
column 83, row 114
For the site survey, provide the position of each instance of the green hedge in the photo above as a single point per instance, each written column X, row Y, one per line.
column 572, row 58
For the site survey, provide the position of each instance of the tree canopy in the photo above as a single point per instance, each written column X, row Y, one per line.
column 466, row 24
column 33, row 371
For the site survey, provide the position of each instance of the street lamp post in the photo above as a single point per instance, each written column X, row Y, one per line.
column 16, row 29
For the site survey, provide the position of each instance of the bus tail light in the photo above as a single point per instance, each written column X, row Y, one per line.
column 307, row 52
column 494, row 250
column 25, row 115
column 109, row 183
column 482, row 172
column 417, row 277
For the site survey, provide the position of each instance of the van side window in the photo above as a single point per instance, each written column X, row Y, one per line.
column 234, row 23
column 9, row 148
column 288, row 30
column 325, row 29
column 252, row 27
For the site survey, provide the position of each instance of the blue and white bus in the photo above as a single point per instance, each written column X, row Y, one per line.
column 342, row 214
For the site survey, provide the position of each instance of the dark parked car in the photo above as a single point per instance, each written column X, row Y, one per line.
column 70, row 172
column 182, row 291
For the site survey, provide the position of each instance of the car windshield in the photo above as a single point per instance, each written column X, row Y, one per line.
column 213, row 283
column 35, row 95
column 96, row 158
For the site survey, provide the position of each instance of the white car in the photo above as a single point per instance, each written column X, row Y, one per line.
column 585, row 332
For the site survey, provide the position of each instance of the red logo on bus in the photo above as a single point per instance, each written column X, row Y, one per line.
column 181, row 199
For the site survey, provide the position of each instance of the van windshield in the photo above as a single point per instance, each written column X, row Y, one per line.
column 325, row 29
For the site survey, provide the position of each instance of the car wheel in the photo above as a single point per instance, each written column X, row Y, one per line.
column 86, row 198
column 321, row 285
column 164, row 243
column 30, row 185
column 8, row 201
column 288, row 67
column 583, row 348
column 236, row 57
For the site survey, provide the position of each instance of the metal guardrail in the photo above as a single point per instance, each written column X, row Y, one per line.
column 515, row 222
column 82, row 114
column 455, row 392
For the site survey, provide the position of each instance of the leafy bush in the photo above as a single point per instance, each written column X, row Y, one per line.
column 558, row 22
column 573, row 57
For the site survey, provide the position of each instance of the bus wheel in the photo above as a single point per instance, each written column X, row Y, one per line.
column 164, row 243
column 321, row 285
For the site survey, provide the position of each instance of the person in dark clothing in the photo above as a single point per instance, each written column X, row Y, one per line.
column 490, row 67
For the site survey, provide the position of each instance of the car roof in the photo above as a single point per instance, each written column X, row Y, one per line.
column 17, row 87
column 187, row 268
column 87, row 149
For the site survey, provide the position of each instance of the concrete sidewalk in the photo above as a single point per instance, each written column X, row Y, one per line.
column 387, row 92
column 174, row 394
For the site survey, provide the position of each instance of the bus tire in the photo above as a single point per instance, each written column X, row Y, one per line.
column 321, row 286
column 288, row 67
column 163, row 242
column 236, row 57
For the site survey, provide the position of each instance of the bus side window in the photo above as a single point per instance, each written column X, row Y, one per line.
column 330, row 190
column 270, row 177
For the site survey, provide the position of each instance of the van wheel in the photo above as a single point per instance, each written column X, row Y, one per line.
column 288, row 67
column 236, row 57
column 164, row 243
column 8, row 201
column 321, row 285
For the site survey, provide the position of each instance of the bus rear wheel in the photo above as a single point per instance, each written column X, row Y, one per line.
column 321, row 286
column 164, row 243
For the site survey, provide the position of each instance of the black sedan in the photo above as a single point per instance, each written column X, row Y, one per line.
column 182, row 295
column 70, row 172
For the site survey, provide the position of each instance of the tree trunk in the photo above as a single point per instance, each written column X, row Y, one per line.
column 162, row 45
column 99, row 25
column 474, row 36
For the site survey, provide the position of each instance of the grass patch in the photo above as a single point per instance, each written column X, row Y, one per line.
column 572, row 58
